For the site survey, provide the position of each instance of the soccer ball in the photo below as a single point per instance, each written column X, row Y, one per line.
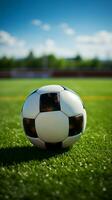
column 53, row 116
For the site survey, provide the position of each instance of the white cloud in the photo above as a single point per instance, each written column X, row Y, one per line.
column 50, row 47
column 42, row 25
column 88, row 46
column 12, row 46
column 67, row 29
column 36, row 22
column 46, row 27
column 91, row 51
column 97, row 45
column 47, row 47
column 102, row 37
column 13, row 52
column 7, row 39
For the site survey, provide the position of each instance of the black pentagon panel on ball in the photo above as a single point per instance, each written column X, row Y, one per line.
column 53, row 146
column 75, row 125
column 49, row 102
column 29, row 127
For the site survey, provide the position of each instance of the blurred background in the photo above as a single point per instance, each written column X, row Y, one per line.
column 47, row 38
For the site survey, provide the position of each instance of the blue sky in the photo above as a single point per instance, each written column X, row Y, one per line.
column 62, row 27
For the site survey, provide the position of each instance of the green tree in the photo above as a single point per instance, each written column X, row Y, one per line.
column 7, row 63
column 51, row 61
column 61, row 63
column 95, row 63
column 78, row 58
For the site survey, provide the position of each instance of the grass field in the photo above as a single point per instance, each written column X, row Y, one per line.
column 84, row 172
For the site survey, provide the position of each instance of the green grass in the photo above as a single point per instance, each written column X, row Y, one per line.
column 84, row 172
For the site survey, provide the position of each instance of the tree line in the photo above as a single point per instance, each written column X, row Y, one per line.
column 50, row 62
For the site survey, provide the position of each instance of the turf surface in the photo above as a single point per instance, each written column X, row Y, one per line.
column 84, row 172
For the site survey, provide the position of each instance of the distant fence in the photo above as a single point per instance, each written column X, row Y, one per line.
column 54, row 73
column 82, row 73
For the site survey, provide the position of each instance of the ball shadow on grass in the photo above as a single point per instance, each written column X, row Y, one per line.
column 15, row 155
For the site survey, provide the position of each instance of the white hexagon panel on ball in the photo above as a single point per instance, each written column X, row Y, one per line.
column 71, row 104
column 50, row 89
column 52, row 126
column 31, row 106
